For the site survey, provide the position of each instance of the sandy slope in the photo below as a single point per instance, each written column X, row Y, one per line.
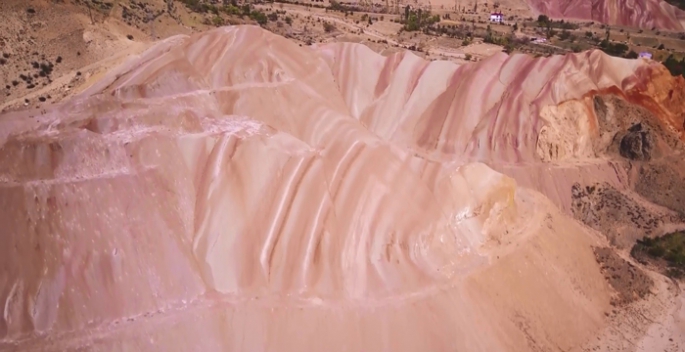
column 234, row 191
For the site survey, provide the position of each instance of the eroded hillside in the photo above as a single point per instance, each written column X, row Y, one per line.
column 233, row 190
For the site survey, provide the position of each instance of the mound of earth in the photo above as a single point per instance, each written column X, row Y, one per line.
column 232, row 190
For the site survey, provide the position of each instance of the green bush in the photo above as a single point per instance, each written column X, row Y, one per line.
column 328, row 27
column 259, row 16
column 670, row 248
column 419, row 20
column 197, row 6
column 657, row 252
column 336, row 6
column 232, row 10
column 564, row 35
column 613, row 49
column 218, row 21
column 675, row 66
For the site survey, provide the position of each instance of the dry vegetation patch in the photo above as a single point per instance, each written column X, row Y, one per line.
column 629, row 281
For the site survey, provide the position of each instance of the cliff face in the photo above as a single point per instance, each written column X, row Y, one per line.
column 637, row 13
column 234, row 191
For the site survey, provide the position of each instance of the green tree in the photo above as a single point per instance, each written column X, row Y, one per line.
column 543, row 21
column 675, row 66
column 217, row 21
column 260, row 17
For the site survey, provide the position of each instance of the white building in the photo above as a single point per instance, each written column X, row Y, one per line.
column 497, row 17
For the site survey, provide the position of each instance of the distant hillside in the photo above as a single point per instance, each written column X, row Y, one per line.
column 645, row 14
column 49, row 48
column 677, row 3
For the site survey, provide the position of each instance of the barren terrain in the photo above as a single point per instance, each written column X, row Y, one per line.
column 278, row 176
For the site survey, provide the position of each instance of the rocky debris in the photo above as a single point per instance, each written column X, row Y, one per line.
column 138, row 14
column 622, row 219
column 637, row 144
column 631, row 131
column 662, row 182
column 629, row 281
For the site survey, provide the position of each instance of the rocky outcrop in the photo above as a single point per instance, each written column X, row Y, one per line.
column 637, row 144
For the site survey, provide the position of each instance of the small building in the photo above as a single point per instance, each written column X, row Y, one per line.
column 497, row 17
column 646, row 55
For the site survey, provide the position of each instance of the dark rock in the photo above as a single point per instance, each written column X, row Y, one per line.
column 637, row 144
